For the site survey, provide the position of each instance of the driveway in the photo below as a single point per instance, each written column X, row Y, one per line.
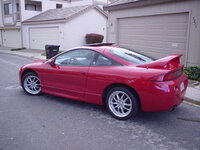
column 54, row 123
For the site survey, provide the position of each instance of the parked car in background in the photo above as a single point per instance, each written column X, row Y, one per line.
column 122, row 80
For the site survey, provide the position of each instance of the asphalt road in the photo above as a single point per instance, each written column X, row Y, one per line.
column 52, row 123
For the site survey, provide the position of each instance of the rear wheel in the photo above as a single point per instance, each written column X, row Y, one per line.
column 31, row 83
column 121, row 103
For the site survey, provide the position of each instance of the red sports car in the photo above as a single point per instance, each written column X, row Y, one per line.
column 122, row 80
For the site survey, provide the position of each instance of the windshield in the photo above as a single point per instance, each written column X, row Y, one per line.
column 130, row 56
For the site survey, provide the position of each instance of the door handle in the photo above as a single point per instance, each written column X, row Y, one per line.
column 83, row 73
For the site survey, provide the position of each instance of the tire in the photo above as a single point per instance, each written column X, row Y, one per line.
column 31, row 84
column 121, row 103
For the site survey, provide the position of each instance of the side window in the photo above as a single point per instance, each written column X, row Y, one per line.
column 75, row 58
column 103, row 61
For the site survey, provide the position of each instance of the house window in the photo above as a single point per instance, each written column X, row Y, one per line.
column 59, row 5
column 8, row 9
column 30, row 7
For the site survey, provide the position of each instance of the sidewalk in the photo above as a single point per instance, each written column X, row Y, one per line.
column 34, row 54
column 192, row 94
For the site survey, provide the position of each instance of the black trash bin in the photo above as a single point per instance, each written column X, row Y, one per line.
column 51, row 50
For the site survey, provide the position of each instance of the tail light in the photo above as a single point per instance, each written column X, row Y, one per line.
column 169, row 76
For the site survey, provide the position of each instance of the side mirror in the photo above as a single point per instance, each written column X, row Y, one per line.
column 51, row 62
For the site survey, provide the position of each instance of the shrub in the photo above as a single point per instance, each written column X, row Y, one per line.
column 93, row 38
column 193, row 72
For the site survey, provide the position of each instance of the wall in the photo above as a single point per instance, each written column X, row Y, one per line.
column 72, row 33
column 103, row 2
column 46, row 4
column 88, row 2
column 78, row 3
column 1, row 38
column 191, row 6
column 89, row 22
column 1, row 23
column 1, row 19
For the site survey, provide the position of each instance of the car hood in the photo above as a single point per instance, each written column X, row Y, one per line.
column 39, row 61
column 34, row 63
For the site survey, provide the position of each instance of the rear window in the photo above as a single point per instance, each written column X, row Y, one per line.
column 130, row 56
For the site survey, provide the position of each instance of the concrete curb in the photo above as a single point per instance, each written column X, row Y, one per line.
column 189, row 100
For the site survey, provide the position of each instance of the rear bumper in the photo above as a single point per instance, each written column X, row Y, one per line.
column 163, row 96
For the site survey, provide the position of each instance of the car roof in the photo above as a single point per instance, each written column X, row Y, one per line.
column 103, row 48
column 99, row 47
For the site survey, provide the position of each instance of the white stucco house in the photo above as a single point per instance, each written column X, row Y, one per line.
column 66, row 27
column 14, row 12
column 157, row 28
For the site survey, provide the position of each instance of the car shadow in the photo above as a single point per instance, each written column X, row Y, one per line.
column 74, row 103
column 141, row 116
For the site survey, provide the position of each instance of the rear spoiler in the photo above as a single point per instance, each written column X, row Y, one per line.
column 164, row 63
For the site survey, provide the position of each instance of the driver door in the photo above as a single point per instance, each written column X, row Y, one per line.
column 69, row 73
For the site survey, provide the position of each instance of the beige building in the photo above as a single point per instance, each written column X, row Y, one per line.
column 157, row 28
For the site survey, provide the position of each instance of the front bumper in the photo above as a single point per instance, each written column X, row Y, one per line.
column 20, row 76
column 163, row 96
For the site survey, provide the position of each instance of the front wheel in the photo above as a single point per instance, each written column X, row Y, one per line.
column 121, row 103
column 31, row 83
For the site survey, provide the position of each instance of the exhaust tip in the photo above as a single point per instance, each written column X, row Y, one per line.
column 173, row 108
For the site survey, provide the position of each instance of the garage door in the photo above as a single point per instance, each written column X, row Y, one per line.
column 156, row 36
column 39, row 37
column 12, row 38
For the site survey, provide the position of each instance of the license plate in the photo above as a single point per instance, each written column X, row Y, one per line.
column 182, row 86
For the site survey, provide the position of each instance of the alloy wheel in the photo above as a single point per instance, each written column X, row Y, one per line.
column 120, row 103
column 32, row 84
